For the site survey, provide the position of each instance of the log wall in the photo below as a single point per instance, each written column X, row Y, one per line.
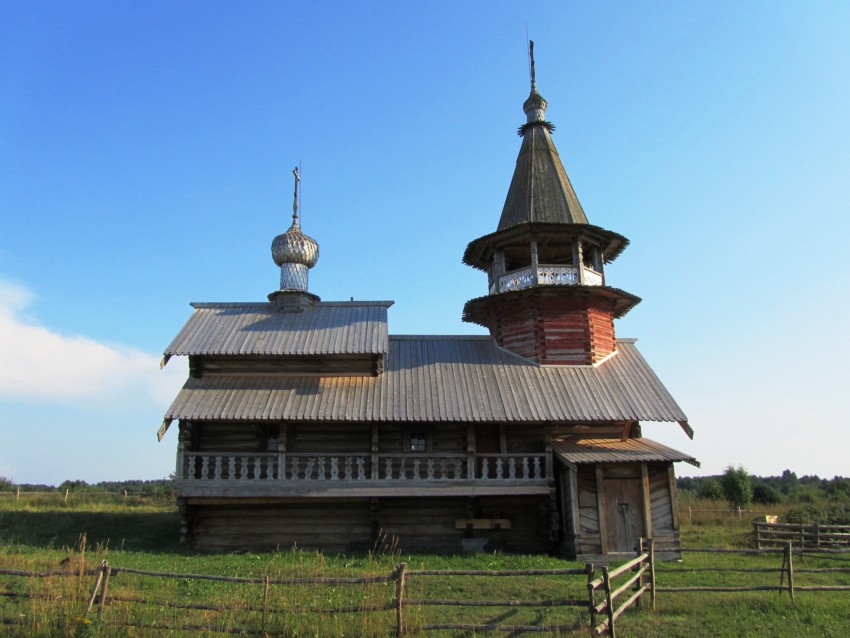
column 422, row 524
column 575, row 329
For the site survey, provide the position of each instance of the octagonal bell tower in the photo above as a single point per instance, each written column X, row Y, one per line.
column 548, row 297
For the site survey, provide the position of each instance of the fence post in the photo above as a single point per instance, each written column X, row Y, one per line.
column 609, row 603
column 637, row 568
column 758, row 535
column 65, row 500
column 17, row 493
column 401, row 571
column 97, row 582
column 790, row 562
column 265, row 601
column 107, row 570
column 591, row 593
column 651, row 551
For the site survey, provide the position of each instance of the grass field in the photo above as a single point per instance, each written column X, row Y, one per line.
column 44, row 535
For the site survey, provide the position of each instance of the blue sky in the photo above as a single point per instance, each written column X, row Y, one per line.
column 146, row 152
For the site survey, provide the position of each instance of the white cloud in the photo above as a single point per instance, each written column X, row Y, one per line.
column 39, row 364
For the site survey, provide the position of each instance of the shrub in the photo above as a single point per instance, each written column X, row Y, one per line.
column 736, row 486
column 710, row 489
column 820, row 513
column 766, row 495
column 6, row 484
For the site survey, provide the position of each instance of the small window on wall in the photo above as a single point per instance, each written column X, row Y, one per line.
column 417, row 442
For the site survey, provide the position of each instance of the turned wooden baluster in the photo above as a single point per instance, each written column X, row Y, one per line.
column 525, row 467
column 334, row 468
column 361, row 474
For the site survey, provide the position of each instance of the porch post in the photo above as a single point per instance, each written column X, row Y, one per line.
column 470, row 451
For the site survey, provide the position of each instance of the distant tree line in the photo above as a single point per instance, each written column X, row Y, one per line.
column 157, row 487
column 815, row 500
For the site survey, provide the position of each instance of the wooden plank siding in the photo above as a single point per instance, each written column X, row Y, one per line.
column 665, row 524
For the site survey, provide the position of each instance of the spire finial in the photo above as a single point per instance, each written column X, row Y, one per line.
column 535, row 105
column 295, row 204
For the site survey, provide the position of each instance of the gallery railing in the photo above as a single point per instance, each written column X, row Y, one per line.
column 228, row 466
column 546, row 276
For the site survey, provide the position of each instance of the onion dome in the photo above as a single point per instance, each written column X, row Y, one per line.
column 295, row 247
column 295, row 253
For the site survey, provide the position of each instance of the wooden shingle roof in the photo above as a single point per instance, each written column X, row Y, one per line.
column 593, row 451
column 437, row 378
column 540, row 189
column 326, row 328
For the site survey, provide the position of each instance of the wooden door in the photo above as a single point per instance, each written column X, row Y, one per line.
column 623, row 513
column 487, row 441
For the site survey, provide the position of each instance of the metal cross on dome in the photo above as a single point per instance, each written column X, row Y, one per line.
column 295, row 195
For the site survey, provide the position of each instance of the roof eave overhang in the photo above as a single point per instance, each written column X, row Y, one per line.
column 479, row 251
column 477, row 310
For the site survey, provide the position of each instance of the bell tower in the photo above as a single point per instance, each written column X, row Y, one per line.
column 548, row 296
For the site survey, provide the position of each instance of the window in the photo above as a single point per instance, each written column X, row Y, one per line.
column 417, row 442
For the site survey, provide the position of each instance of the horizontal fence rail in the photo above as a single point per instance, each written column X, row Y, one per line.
column 805, row 536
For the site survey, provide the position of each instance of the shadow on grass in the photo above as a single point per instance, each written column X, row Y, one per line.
column 132, row 531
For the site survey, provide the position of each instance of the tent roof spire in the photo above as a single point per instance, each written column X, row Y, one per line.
column 540, row 190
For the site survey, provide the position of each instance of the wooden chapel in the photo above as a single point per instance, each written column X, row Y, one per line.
column 304, row 422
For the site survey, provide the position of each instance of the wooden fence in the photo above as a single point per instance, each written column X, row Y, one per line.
column 596, row 596
column 602, row 594
column 815, row 537
column 786, row 571
column 641, row 581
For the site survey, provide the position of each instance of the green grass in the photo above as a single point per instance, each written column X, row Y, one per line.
column 40, row 536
